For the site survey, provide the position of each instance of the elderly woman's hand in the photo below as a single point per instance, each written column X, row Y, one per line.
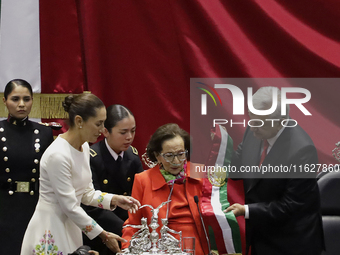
column 126, row 202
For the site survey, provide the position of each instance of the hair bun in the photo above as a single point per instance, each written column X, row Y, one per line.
column 67, row 102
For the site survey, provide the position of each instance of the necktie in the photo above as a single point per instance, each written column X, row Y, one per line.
column 118, row 166
column 264, row 152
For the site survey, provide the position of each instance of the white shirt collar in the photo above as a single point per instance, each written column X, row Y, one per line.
column 112, row 152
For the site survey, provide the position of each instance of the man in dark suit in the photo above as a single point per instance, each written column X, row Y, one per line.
column 114, row 163
column 282, row 214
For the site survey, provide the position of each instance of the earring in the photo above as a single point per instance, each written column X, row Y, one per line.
column 80, row 126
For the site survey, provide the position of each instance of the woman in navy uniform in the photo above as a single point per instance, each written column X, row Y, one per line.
column 22, row 142
column 114, row 163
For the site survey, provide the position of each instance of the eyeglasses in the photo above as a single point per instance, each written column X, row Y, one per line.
column 169, row 157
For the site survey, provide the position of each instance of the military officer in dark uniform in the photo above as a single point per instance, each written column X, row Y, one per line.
column 114, row 162
column 22, row 142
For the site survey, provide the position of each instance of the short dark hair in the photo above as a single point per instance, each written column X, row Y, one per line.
column 84, row 105
column 15, row 83
column 114, row 114
column 164, row 133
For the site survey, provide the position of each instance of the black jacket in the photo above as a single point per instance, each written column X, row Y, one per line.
column 112, row 177
column 284, row 213
column 21, row 148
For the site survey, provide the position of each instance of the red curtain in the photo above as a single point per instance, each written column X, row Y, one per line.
column 143, row 53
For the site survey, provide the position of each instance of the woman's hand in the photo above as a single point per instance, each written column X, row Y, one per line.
column 94, row 252
column 128, row 203
column 111, row 240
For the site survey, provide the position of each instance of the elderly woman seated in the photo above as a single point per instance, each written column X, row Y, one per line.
column 169, row 179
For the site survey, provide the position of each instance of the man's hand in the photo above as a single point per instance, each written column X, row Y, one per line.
column 237, row 209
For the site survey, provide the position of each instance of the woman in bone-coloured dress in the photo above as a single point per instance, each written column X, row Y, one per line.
column 65, row 182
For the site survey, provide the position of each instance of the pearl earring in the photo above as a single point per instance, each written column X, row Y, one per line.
column 80, row 126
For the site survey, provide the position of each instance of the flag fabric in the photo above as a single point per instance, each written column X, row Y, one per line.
column 224, row 233
column 21, row 58
column 19, row 45
column 20, row 42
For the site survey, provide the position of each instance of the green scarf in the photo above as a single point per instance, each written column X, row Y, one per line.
column 170, row 178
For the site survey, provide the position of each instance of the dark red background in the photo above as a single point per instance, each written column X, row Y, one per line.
column 143, row 53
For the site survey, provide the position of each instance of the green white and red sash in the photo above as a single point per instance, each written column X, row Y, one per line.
column 224, row 231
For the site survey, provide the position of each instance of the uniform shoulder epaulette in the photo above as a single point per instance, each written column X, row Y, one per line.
column 134, row 150
column 93, row 153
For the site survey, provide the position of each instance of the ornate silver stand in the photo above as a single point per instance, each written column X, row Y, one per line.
column 144, row 242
